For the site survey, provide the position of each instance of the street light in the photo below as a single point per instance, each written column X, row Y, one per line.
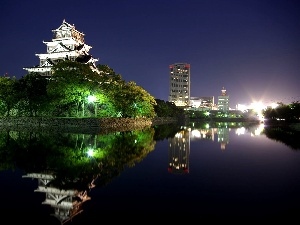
column 93, row 99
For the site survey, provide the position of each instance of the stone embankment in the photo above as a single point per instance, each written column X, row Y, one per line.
column 90, row 125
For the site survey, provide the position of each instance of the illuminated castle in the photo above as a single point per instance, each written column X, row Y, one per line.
column 67, row 44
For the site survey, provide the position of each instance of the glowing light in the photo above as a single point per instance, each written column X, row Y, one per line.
column 274, row 105
column 90, row 152
column 242, row 107
column 91, row 98
column 257, row 106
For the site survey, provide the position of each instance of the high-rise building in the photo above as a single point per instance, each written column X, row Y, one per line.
column 180, row 82
column 67, row 44
column 223, row 101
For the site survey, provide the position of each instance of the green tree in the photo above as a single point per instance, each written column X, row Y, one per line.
column 8, row 95
column 32, row 89
column 69, row 87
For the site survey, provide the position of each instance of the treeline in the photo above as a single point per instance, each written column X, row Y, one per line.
column 74, row 90
column 285, row 112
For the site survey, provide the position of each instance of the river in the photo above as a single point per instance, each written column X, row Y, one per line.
column 198, row 172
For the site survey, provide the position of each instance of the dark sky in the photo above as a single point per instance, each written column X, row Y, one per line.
column 250, row 47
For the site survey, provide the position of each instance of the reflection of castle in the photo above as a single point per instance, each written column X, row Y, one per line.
column 179, row 151
column 66, row 203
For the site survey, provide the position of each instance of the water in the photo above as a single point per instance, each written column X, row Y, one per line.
column 225, row 173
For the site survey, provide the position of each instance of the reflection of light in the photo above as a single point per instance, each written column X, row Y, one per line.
column 259, row 130
column 90, row 152
column 207, row 126
column 240, row 131
column 178, row 135
column 196, row 133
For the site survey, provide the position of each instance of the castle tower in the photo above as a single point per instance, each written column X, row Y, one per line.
column 67, row 44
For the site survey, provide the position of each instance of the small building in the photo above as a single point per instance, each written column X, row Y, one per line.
column 202, row 103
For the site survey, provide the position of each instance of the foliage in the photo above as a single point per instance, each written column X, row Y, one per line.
column 290, row 112
column 8, row 95
column 167, row 109
column 32, row 90
column 69, row 86
column 65, row 94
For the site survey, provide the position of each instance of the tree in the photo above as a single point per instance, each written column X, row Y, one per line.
column 32, row 89
column 70, row 85
column 8, row 95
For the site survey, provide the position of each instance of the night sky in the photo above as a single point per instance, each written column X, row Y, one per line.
column 250, row 47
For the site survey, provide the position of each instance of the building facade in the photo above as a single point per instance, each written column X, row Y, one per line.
column 223, row 101
column 202, row 103
column 180, row 83
column 67, row 44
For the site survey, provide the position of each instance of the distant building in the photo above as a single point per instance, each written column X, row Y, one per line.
column 223, row 101
column 180, row 83
column 202, row 103
column 67, row 44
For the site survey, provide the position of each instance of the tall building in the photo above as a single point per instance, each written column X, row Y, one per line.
column 180, row 83
column 223, row 101
column 67, row 44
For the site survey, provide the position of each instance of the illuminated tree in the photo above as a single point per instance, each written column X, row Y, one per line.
column 70, row 85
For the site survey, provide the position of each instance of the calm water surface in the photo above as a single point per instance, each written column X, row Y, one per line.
column 208, row 174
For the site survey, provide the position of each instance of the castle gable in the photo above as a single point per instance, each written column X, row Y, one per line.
column 67, row 30
column 60, row 48
column 47, row 63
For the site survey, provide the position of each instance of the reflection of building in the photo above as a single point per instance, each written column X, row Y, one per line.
column 223, row 101
column 67, row 44
column 207, row 134
column 180, row 84
column 223, row 136
column 66, row 203
column 179, row 151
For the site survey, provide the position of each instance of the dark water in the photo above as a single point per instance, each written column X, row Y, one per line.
column 196, row 173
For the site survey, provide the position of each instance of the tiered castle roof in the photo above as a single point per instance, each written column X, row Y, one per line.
column 67, row 44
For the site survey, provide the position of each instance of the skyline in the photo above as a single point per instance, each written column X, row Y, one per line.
column 249, row 47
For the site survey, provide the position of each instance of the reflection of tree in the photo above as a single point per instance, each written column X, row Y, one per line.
column 127, row 149
column 6, row 155
column 284, row 134
column 166, row 131
column 65, row 155
column 64, row 169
